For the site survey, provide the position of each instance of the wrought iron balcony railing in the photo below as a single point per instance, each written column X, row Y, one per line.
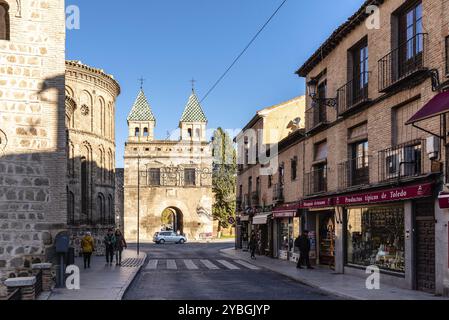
column 278, row 193
column 316, row 116
column 405, row 160
column 403, row 62
column 315, row 181
column 353, row 93
column 354, row 172
column 255, row 197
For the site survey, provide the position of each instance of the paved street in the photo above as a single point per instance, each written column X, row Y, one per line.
column 198, row 271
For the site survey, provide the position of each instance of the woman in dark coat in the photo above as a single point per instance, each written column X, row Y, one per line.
column 120, row 244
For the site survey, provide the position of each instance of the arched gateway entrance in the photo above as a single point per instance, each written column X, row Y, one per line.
column 172, row 220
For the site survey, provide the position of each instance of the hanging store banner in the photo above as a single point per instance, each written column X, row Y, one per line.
column 395, row 194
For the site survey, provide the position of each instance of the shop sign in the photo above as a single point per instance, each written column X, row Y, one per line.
column 317, row 203
column 396, row 194
column 286, row 211
column 443, row 200
column 261, row 219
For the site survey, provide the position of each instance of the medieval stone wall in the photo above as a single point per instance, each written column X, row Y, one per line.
column 90, row 121
column 32, row 134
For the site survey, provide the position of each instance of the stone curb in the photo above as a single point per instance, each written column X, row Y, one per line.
column 131, row 277
column 301, row 281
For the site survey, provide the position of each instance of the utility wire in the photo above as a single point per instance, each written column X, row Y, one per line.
column 243, row 51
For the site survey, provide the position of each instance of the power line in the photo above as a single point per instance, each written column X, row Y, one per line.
column 243, row 51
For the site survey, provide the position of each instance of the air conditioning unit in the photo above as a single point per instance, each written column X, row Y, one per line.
column 433, row 147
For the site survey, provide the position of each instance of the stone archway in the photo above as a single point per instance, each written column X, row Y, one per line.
column 172, row 219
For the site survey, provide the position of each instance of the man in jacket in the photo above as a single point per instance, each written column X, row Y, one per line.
column 303, row 243
column 109, row 242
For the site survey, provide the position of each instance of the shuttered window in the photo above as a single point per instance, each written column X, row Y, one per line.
column 155, row 177
column 189, row 177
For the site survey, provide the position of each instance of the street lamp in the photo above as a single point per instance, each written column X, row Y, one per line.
column 138, row 204
column 312, row 90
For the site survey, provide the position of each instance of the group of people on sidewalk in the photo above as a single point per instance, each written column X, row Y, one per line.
column 302, row 243
column 114, row 243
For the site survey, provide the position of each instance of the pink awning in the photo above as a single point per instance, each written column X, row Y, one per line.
column 435, row 107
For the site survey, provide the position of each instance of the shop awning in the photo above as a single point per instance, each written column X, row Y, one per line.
column 286, row 211
column 435, row 107
column 261, row 219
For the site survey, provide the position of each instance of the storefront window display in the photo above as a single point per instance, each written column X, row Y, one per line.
column 375, row 236
column 288, row 232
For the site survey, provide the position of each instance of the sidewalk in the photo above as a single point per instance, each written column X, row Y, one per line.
column 102, row 282
column 345, row 286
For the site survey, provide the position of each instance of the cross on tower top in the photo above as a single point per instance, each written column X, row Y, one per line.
column 141, row 80
column 193, row 83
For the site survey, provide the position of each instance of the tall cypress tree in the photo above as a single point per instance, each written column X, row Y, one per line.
column 223, row 178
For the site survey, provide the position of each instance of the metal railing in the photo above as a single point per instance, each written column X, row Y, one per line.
column 238, row 203
column 16, row 295
column 246, row 201
column 353, row 93
column 316, row 116
column 405, row 160
column 255, row 197
column 405, row 60
column 278, row 193
column 354, row 172
column 38, row 284
column 315, row 181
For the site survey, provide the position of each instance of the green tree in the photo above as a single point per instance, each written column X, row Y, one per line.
column 223, row 178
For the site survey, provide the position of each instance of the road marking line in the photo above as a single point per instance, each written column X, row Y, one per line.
column 190, row 265
column 171, row 265
column 228, row 265
column 247, row 265
column 209, row 265
column 152, row 265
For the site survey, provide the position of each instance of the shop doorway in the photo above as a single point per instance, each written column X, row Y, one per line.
column 326, row 229
column 172, row 220
column 425, row 246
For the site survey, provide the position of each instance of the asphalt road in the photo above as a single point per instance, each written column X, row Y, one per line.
column 198, row 271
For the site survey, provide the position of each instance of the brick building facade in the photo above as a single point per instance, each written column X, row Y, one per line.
column 371, row 177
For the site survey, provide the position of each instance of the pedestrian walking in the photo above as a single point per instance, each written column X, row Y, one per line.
column 120, row 244
column 253, row 245
column 303, row 243
column 109, row 242
column 87, row 248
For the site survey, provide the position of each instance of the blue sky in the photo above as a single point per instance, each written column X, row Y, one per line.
column 170, row 41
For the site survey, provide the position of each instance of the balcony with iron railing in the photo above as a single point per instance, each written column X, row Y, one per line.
column 278, row 193
column 255, row 198
column 403, row 63
column 238, row 203
column 353, row 94
column 406, row 160
column 315, row 182
column 246, row 202
column 316, row 116
column 354, row 172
